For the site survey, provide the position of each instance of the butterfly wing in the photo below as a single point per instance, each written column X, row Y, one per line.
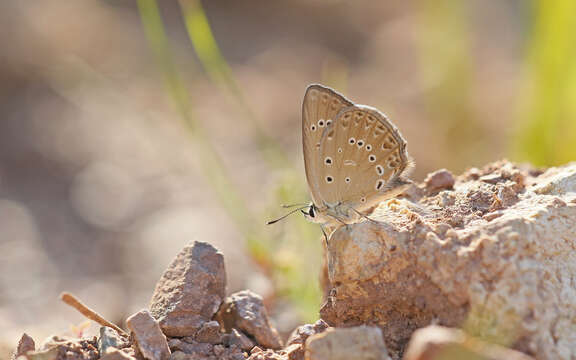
column 319, row 109
column 363, row 157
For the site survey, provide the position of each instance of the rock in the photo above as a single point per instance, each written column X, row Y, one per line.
column 110, row 338
column 179, row 355
column 191, row 347
column 196, row 351
column 209, row 333
column 148, row 336
column 25, row 344
column 506, row 276
column 295, row 352
column 359, row 343
column 295, row 345
column 116, row 354
column 245, row 310
column 190, row 291
column 231, row 353
column 239, row 339
column 62, row 348
column 268, row 354
column 48, row 354
column 437, row 343
column 439, row 180
column 301, row 333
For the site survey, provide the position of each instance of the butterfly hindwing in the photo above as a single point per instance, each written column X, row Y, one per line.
column 362, row 155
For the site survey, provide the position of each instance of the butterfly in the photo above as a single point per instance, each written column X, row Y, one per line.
column 353, row 155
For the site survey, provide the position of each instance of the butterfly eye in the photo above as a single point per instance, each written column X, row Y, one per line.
column 329, row 179
column 311, row 212
column 328, row 160
column 328, row 122
column 372, row 158
column 340, row 150
column 347, row 180
column 360, row 143
column 321, row 123
column 313, row 127
column 379, row 170
column 352, row 141
column 368, row 147
column 379, row 184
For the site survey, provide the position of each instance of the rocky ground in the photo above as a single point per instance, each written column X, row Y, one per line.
column 476, row 266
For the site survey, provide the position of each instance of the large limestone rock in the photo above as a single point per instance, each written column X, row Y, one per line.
column 494, row 253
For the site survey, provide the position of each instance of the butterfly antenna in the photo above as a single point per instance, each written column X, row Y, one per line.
column 285, row 216
column 292, row 205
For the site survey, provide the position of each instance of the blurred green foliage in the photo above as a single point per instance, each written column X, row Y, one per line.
column 548, row 104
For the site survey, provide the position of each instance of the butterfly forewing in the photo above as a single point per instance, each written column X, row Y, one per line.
column 361, row 155
column 319, row 109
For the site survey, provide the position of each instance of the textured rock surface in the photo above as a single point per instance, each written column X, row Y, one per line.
column 301, row 333
column 438, row 343
column 495, row 254
column 209, row 333
column 63, row 348
column 439, row 180
column 239, row 339
column 110, row 338
column 193, row 350
column 25, row 344
column 115, row 354
column 190, row 291
column 360, row 343
column 149, row 339
column 245, row 310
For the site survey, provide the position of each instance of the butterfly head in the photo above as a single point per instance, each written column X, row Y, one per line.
column 313, row 214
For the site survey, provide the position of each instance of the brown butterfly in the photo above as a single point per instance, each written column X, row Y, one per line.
column 353, row 155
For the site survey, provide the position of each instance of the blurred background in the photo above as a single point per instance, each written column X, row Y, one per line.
column 130, row 128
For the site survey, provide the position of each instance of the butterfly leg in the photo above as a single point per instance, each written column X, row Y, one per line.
column 325, row 236
column 364, row 216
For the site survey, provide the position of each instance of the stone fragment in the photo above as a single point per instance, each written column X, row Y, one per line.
column 295, row 352
column 439, row 180
column 359, row 343
column 203, row 351
column 190, row 291
column 179, row 355
column 63, row 348
column 295, row 345
column 228, row 353
column 245, row 310
column 25, row 344
column 116, row 354
column 209, row 333
column 301, row 333
column 47, row 354
column 268, row 354
column 437, row 343
column 148, row 336
column 191, row 347
column 110, row 338
column 239, row 339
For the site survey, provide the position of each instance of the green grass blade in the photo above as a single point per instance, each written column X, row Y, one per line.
column 548, row 110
